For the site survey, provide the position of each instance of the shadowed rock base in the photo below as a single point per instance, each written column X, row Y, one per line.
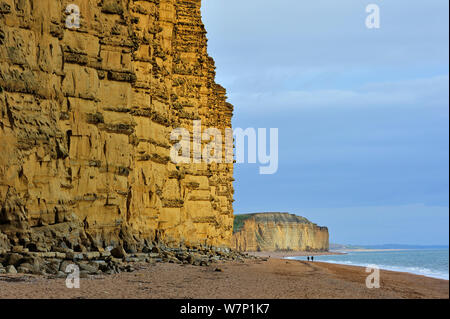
column 110, row 261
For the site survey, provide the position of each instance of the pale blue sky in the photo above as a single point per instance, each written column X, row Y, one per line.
column 363, row 114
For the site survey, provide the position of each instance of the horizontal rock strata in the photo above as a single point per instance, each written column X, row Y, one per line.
column 278, row 232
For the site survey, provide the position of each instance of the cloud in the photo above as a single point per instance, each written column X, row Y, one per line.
column 245, row 35
column 427, row 92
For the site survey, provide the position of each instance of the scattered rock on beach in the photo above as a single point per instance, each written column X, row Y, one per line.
column 14, row 259
column 118, row 252
column 111, row 261
column 11, row 269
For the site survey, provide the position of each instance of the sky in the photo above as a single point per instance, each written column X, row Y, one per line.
column 363, row 114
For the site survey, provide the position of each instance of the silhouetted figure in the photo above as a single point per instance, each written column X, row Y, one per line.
column 308, row 258
column 312, row 258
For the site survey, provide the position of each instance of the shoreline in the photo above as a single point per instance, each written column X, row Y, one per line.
column 381, row 268
column 288, row 255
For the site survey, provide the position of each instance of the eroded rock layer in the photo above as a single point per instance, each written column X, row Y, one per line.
column 85, row 121
column 278, row 232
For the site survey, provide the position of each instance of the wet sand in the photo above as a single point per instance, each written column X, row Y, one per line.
column 275, row 278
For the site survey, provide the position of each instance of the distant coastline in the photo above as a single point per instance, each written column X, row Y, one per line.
column 383, row 247
column 369, row 250
column 284, row 254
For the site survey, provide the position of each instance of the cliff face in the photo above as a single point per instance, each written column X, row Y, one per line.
column 85, row 122
column 278, row 231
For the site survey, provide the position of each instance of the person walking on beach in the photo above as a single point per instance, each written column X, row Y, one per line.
column 312, row 258
column 308, row 258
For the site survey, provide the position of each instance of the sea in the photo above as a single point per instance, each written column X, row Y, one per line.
column 426, row 262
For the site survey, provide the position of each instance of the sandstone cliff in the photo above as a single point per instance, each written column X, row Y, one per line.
column 278, row 231
column 85, row 118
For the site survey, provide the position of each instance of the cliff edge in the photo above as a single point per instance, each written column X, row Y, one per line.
column 278, row 232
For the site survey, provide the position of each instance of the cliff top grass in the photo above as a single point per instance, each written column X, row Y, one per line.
column 239, row 221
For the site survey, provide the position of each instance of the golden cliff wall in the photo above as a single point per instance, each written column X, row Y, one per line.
column 278, row 231
column 85, row 120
